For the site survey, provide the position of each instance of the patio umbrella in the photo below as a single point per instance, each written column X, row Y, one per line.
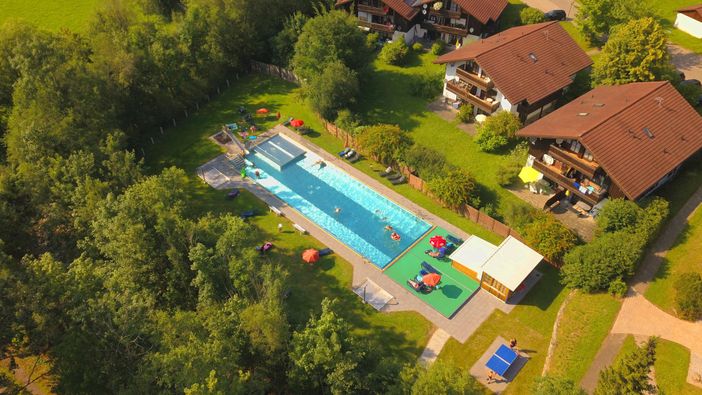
column 310, row 256
column 262, row 111
column 529, row 174
column 431, row 279
column 437, row 241
column 296, row 123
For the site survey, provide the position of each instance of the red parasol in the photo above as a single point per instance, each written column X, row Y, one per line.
column 296, row 123
column 437, row 241
column 262, row 111
column 310, row 256
column 431, row 279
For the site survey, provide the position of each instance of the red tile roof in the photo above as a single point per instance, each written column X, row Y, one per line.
column 404, row 9
column 610, row 122
column 526, row 62
column 694, row 11
column 697, row 8
column 483, row 10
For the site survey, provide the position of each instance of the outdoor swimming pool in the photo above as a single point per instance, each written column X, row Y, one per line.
column 317, row 191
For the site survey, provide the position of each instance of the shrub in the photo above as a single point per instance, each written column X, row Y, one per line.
column 549, row 237
column 656, row 211
column 519, row 215
column 334, row 89
column 630, row 373
column 508, row 172
column 347, row 121
column 372, row 40
column 465, row 113
column 550, row 385
column 454, row 187
column 619, row 214
column 426, row 86
column 384, row 143
column 497, row 131
column 531, row 15
column 592, row 267
column 427, row 162
column 417, row 47
column 690, row 92
column 617, row 288
column 394, row 53
column 688, row 296
column 438, row 47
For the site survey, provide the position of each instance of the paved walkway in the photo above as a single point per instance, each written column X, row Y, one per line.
column 638, row 316
column 460, row 326
column 568, row 6
column 434, row 346
column 686, row 61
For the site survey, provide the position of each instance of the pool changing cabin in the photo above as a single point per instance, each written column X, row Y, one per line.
column 500, row 270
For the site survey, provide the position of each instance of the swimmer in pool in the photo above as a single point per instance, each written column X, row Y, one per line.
column 337, row 210
column 395, row 236
column 389, row 228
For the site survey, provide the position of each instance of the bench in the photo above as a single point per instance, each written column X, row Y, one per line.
column 276, row 211
column 300, row 228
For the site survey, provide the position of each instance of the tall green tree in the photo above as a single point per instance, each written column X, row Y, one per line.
column 596, row 18
column 386, row 144
column 630, row 374
column 283, row 43
column 334, row 89
column 636, row 51
column 417, row 380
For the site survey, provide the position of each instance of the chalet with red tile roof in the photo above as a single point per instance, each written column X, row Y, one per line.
column 620, row 141
column 449, row 20
column 523, row 70
column 689, row 20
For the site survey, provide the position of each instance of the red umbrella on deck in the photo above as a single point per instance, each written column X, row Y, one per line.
column 310, row 256
column 296, row 123
column 262, row 111
column 431, row 279
column 437, row 241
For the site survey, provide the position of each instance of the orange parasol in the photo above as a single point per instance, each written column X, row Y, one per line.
column 262, row 111
column 431, row 279
column 296, row 123
column 310, row 256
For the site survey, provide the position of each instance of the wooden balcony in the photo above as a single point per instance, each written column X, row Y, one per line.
column 445, row 13
column 377, row 26
column 462, row 31
column 474, row 79
column 463, row 93
column 554, row 175
column 371, row 9
column 584, row 166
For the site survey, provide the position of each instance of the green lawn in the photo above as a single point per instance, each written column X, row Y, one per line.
column 666, row 10
column 685, row 256
column 403, row 334
column 679, row 190
column 50, row 14
column 455, row 288
column 586, row 322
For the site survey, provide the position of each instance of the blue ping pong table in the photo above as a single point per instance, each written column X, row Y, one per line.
column 503, row 358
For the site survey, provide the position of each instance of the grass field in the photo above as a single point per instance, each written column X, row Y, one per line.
column 403, row 334
column 456, row 287
column 666, row 10
column 685, row 256
column 52, row 15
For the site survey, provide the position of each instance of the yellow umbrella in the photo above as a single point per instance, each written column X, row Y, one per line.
column 458, row 44
column 528, row 174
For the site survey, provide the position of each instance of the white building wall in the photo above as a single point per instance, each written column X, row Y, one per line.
column 450, row 74
column 689, row 25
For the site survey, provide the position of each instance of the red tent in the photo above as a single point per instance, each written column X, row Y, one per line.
column 310, row 256
column 431, row 279
column 296, row 123
column 437, row 241
column 262, row 111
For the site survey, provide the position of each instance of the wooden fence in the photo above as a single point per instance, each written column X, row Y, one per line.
column 275, row 71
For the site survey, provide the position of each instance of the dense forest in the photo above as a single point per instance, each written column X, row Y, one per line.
column 104, row 268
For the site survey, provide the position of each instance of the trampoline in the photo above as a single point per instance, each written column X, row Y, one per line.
column 501, row 361
column 279, row 151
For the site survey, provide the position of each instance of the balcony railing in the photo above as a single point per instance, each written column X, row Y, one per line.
column 371, row 9
column 554, row 175
column 586, row 167
column 462, row 92
column 459, row 31
column 445, row 13
column 377, row 26
column 474, row 79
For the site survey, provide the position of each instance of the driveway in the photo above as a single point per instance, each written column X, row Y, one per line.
column 547, row 5
column 686, row 61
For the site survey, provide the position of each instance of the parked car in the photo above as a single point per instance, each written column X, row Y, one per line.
column 692, row 82
column 555, row 15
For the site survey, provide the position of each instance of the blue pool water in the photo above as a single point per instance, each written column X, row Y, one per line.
column 316, row 193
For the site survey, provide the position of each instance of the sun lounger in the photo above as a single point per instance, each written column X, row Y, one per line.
column 248, row 214
column 344, row 152
column 300, row 229
column 354, row 158
column 287, row 123
column 303, row 131
column 394, row 176
column 429, row 268
column 453, row 239
column 387, row 172
column 399, row 181
column 233, row 193
column 325, row 252
column 276, row 211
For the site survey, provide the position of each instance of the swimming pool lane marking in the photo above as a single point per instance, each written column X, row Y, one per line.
column 403, row 253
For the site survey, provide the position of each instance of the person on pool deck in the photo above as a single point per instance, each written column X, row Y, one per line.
column 389, row 228
column 395, row 236
column 491, row 377
column 257, row 173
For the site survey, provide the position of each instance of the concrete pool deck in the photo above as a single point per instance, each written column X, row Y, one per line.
column 463, row 323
